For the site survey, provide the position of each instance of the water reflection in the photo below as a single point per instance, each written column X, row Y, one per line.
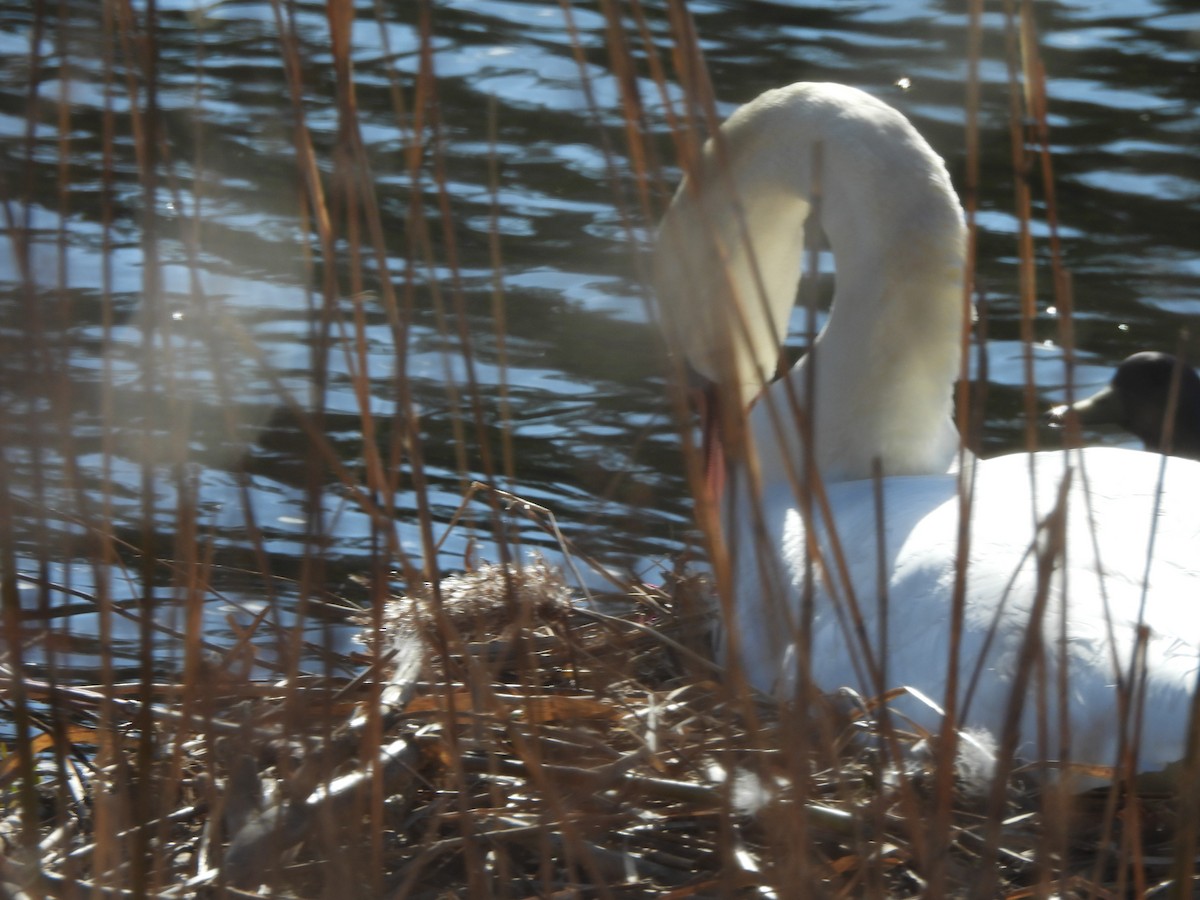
column 575, row 384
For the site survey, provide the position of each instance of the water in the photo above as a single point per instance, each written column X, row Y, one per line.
column 583, row 386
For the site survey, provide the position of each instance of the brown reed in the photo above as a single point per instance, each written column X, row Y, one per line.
column 496, row 736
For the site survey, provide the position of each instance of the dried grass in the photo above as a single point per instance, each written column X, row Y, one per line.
column 502, row 737
column 526, row 745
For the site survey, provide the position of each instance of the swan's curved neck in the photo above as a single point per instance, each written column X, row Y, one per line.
column 729, row 260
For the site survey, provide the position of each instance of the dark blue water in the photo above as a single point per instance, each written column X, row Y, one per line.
column 540, row 218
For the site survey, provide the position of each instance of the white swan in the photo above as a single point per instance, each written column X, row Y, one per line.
column 727, row 264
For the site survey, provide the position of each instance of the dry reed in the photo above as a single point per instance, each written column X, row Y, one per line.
column 496, row 736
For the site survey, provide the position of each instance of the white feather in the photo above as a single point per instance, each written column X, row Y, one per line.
column 727, row 266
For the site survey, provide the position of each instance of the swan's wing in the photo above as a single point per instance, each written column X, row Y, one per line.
column 1092, row 616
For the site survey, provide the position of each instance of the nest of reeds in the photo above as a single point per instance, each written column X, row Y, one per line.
column 512, row 741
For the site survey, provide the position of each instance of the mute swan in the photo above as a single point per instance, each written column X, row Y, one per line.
column 1137, row 399
column 727, row 264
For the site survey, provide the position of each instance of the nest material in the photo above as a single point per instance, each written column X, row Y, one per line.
column 543, row 748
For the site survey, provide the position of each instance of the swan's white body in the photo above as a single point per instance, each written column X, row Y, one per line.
column 880, row 374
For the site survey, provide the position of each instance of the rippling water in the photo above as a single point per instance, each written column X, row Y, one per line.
column 576, row 380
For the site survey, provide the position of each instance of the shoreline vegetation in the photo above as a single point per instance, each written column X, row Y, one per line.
column 498, row 733
column 513, row 741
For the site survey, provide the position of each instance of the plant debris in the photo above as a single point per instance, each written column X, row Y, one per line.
column 523, row 744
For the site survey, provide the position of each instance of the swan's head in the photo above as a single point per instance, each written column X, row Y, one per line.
column 729, row 257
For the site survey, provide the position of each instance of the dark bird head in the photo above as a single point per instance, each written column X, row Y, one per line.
column 1139, row 400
